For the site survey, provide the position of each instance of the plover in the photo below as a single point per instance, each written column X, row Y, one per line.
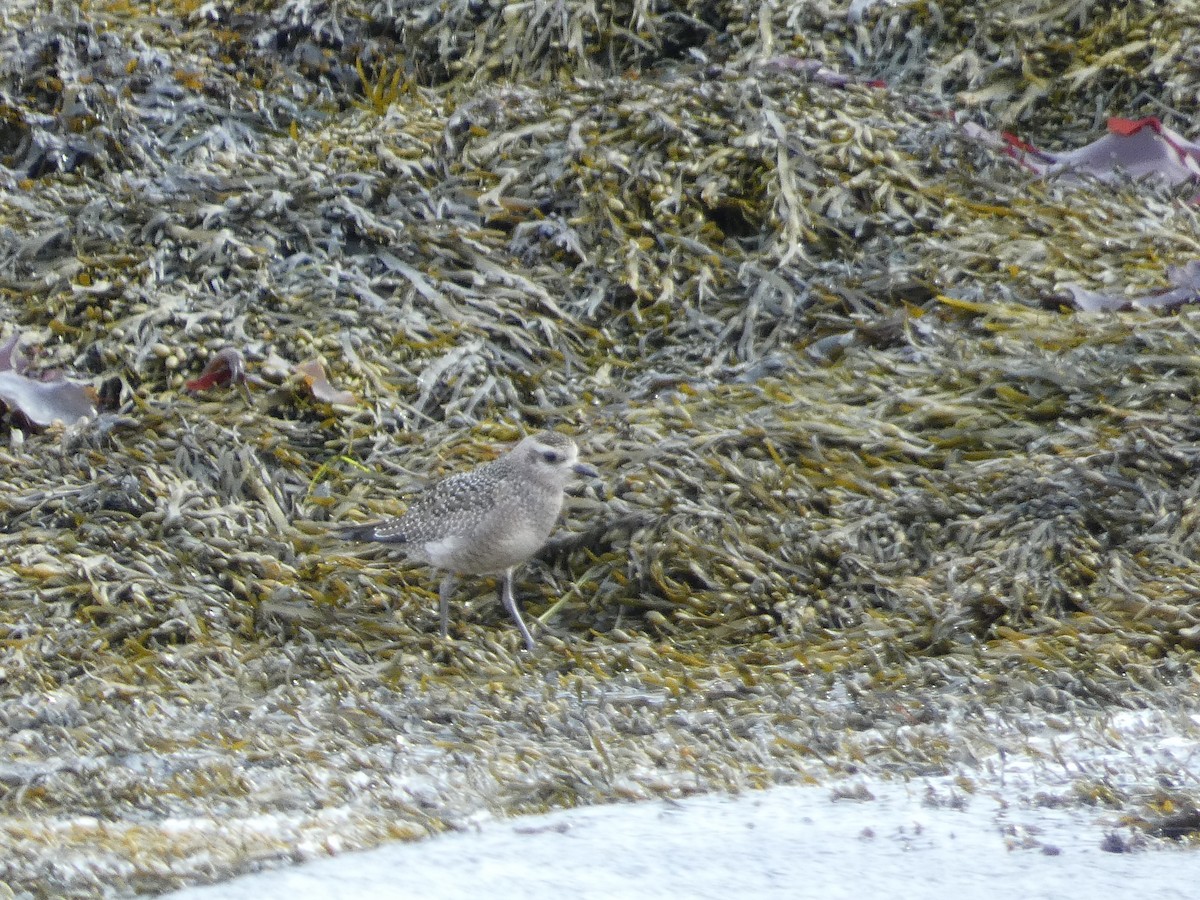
column 486, row 521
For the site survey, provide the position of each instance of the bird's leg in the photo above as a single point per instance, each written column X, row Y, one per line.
column 510, row 603
column 444, row 592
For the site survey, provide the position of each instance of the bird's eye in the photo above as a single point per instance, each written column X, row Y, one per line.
column 550, row 456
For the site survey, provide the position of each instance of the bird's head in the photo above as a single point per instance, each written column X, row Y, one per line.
column 552, row 458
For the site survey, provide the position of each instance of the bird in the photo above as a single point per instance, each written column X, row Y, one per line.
column 486, row 521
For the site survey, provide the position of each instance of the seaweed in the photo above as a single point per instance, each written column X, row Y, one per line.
column 876, row 500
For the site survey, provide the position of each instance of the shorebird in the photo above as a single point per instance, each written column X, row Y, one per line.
column 486, row 521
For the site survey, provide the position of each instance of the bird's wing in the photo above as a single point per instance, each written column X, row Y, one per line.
column 450, row 507
column 455, row 501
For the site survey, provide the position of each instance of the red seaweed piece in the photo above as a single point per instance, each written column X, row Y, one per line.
column 1186, row 280
column 227, row 366
column 1135, row 147
column 41, row 402
column 314, row 376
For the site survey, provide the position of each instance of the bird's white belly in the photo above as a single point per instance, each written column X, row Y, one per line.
column 443, row 551
column 472, row 556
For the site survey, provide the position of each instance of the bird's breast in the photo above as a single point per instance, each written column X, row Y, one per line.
column 507, row 536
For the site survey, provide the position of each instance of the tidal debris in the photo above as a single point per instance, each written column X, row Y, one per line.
column 876, row 497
